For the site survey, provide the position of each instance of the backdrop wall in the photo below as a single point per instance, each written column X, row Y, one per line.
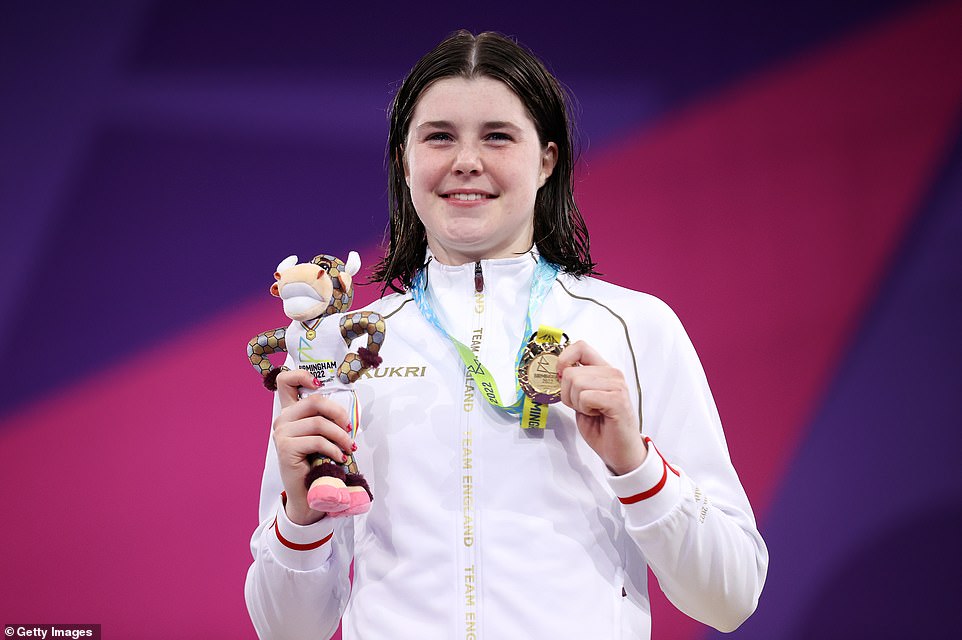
column 787, row 176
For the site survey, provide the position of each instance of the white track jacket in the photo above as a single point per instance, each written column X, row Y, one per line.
column 480, row 529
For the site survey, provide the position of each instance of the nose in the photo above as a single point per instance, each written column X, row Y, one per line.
column 468, row 160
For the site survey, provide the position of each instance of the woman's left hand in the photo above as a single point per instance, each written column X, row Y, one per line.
column 606, row 417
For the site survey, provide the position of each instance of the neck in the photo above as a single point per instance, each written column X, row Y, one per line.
column 454, row 258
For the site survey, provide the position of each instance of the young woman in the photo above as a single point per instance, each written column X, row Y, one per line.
column 492, row 517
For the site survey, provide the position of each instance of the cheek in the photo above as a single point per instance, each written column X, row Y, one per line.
column 522, row 173
column 425, row 169
column 422, row 175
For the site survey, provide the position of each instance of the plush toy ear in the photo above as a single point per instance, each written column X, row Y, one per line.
column 345, row 279
column 274, row 291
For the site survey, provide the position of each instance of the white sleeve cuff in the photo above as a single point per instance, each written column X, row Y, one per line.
column 649, row 492
column 300, row 547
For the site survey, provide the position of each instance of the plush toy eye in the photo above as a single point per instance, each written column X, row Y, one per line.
column 324, row 265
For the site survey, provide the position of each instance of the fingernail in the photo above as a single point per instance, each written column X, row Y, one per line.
column 317, row 382
column 354, row 447
column 343, row 457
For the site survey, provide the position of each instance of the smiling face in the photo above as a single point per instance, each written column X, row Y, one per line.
column 473, row 163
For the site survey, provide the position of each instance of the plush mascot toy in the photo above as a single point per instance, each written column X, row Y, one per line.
column 319, row 341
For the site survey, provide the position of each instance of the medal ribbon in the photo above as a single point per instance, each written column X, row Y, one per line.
column 544, row 275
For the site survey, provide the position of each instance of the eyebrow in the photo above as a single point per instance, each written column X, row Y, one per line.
column 487, row 126
column 499, row 124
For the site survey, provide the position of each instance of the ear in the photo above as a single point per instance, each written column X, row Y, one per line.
column 549, row 158
column 351, row 267
column 274, row 291
column 401, row 158
column 346, row 281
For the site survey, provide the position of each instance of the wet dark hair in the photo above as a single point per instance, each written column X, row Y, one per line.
column 559, row 230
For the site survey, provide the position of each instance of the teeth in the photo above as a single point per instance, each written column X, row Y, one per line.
column 467, row 196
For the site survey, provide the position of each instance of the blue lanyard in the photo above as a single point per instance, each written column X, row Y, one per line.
column 544, row 276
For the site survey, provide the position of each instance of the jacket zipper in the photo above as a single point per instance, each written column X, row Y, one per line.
column 478, row 278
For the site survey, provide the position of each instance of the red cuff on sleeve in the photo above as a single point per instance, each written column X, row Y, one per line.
column 299, row 547
column 644, row 495
column 295, row 545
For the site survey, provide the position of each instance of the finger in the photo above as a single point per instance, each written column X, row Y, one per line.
column 607, row 399
column 579, row 353
column 594, row 402
column 592, row 379
column 297, row 450
column 579, row 379
column 289, row 382
column 317, row 405
column 595, row 390
column 317, row 426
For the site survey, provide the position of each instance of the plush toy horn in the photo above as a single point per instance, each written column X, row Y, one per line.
column 288, row 262
column 353, row 263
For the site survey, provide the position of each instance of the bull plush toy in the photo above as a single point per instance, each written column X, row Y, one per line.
column 316, row 297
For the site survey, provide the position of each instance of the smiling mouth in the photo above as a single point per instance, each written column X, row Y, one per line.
column 467, row 197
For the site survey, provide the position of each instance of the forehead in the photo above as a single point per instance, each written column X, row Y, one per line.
column 468, row 100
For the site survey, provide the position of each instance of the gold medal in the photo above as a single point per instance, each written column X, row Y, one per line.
column 538, row 370
column 309, row 328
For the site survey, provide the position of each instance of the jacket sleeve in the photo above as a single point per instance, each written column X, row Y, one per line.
column 684, row 506
column 298, row 584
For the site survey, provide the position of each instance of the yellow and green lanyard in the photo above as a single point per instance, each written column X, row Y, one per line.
column 530, row 414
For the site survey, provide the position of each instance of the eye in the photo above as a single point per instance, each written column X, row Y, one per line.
column 324, row 265
column 438, row 136
column 499, row 136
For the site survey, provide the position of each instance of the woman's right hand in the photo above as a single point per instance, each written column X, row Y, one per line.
column 305, row 426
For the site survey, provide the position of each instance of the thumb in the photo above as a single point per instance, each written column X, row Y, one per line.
column 288, row 384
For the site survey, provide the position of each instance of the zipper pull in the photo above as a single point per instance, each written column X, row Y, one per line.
column 478, row 278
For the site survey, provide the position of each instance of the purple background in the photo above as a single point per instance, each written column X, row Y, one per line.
column 159, row 158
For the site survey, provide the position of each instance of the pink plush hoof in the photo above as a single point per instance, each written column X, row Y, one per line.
column 328, row 499
column 360, row 503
